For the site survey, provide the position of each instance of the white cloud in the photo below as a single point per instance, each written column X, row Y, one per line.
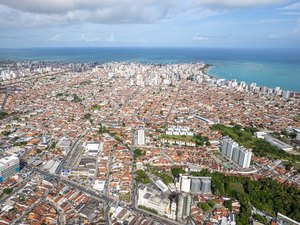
column 296, row 29
column 198, row 37
column 235, row 3
column 55, row 37
column 274, row 20
column 293, row 6
column 111, row 38
column 87, row 39
column 272, row 37
column 53, row 12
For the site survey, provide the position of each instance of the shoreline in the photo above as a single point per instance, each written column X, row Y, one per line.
column 203, row 70
column 209, row 66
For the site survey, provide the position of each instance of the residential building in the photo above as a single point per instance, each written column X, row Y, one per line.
column 9, row 166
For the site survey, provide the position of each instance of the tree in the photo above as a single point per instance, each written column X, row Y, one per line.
column 76, row 98
column 228, row 204
column 2, row 114
column 211, row 203
column 87, row 116
column 137, row 153
column 205, row 207
column 177, row 171
column 7, row 191
column 142, row 177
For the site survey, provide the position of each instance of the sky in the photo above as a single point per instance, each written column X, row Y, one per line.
column 150, row 23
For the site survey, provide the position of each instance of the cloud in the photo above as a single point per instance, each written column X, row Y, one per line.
column 57, row 12
column 199, row 37
column 235, row 3
column 296, row 29
column 293, row 6
column 274, row 20
column 55, row 37
column 84, row 38
column 272, row 36
column 111, row 38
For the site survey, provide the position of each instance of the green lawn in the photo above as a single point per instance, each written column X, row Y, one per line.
column 178, row 137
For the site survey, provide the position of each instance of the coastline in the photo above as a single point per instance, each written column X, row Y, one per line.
column 259, row 83
column 205, row 70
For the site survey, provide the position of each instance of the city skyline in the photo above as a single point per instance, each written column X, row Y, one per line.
column 209, row 23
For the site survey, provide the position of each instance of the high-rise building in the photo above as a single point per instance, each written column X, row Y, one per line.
column 195, row 184
column 286, row 94
column 184, row 207
column 206, row 185
column 236, row 153
column 185, row 183
column 141, row 136
column 231, row 145
column 9, row 166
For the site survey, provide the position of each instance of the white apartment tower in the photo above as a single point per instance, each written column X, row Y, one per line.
column 236, row 153
column 141, row 136
column 9, row 166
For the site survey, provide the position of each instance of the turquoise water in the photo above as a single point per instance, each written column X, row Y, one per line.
column 286, row 76
column 266, row 67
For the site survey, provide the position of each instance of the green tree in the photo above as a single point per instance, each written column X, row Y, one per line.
column 211, row 203
column 177, row 171
column 205, row 207
column 7, row 191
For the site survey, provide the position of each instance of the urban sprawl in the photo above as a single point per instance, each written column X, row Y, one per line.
column 129, row 143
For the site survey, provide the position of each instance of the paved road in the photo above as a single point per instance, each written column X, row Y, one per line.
column 61, row 214
column 172, row 106
column 133, row 188
column 102, row 198
column 70, row 152
column 24, row 214
column 15, row 190
column 17, row 80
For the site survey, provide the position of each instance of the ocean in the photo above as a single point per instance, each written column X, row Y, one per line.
column 266, row 67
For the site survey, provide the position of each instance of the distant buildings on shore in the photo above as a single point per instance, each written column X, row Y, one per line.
column 253, row 88
column 140, row 74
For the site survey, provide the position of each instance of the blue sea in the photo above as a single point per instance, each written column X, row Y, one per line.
column 266, row 67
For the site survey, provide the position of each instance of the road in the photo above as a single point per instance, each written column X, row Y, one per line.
column 102, row 198
column 133, row 188
column 15, row 190
column 172, row 106
column 18, row 80
column 164, row 154
column 4, row 101
column 60, row 212
column 24, row 214
column 72, row 148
